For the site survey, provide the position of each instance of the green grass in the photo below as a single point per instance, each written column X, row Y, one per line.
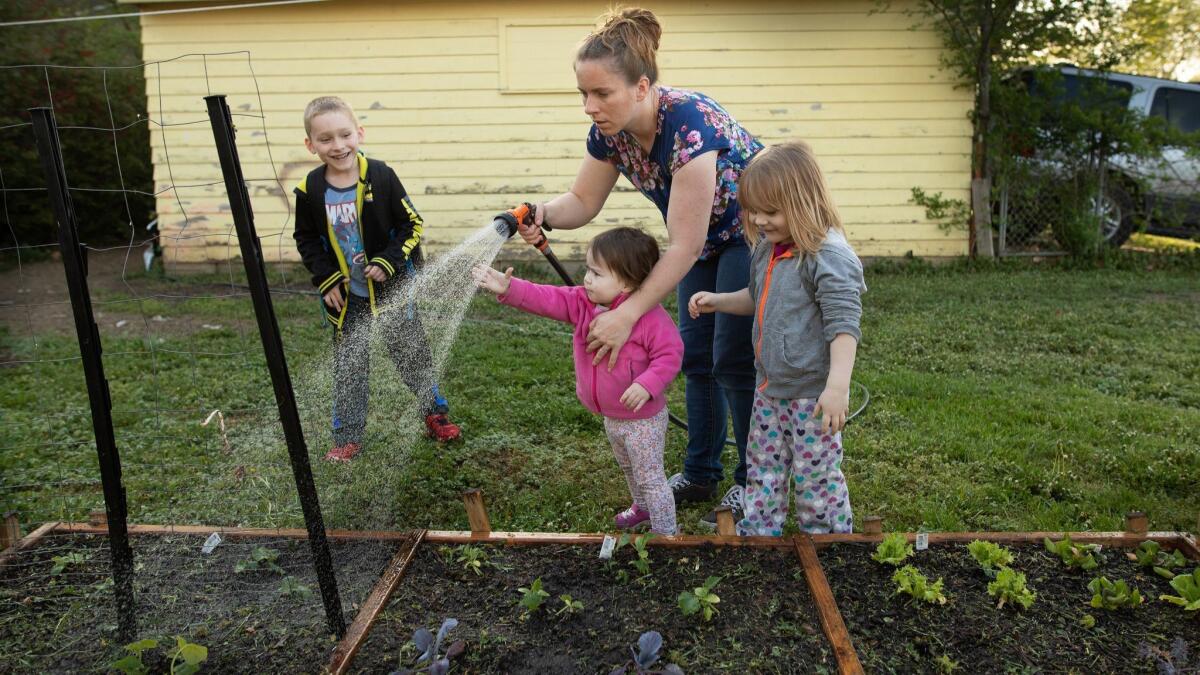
column 1003, row 397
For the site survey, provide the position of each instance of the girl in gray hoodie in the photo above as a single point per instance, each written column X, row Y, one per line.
column 805, row 295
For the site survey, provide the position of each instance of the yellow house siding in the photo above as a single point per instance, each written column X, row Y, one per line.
column 426, row 79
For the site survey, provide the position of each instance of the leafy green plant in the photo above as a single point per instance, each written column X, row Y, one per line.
column 472, row 558
column 893, row 549
column 1188, row 587
column 428, row 647
column 131, row 663
column 1113, row 595
column 1009, row 586
column 62, row 562
column 990, row 556
column 700, row 599
column 570, row 605
column 292, row 587
column 642, row 562
column 186, row 657
column 533, row 597
column 261, row 558
column 911, row 582
column 647, row 654
column 1082, row 556
column 1150, row 554
column 945, row 664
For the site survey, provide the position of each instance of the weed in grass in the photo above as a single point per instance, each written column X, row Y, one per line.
column 1113, row 595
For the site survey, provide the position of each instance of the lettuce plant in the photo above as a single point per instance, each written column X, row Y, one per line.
column 911, row 582
column 1113, row 595
column 1009, row 586
column 990, row 556
column 1150, row 554
column 1188, row 587
column 647, row 654
column 893, row 549
column 1082, row 556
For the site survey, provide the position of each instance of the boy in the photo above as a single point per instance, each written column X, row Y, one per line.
column 359, row 236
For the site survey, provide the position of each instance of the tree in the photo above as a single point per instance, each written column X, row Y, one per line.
column 97, row 98
column 1157, row 37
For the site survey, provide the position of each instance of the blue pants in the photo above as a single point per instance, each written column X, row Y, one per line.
column 718, row 362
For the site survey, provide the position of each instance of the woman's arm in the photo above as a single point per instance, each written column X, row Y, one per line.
column 688, row 215
column 583, row 202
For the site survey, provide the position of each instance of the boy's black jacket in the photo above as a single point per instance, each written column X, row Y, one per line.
column 390, row 228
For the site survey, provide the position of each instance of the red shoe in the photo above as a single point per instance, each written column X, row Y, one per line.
column 343, row 453
column 440, row 428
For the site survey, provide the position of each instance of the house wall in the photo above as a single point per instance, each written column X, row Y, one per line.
column 474, row 105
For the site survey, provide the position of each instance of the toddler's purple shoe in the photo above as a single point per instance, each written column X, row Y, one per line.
column 632, row 518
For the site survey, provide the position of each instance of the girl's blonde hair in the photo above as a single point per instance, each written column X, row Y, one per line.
column 630, row 38
column 785, row 178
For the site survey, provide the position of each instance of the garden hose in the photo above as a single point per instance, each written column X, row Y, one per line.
column 506, row 224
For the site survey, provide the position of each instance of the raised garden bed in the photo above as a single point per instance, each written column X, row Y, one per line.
column 766, row 620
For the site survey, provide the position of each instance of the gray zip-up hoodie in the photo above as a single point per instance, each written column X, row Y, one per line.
column 799, row 310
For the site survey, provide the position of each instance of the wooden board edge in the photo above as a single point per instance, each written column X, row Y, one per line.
column 831, row 617
column 346, row 649
column 27, row 541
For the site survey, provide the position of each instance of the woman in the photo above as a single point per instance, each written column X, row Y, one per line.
column 684, row 152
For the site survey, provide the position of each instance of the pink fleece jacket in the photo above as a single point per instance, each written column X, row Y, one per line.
column 651, row 357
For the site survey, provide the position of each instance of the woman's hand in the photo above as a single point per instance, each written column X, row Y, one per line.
column 833, row 406
column 702, row 302
column 492, row 280
column 635, row 397
column 607, row 334
column 532, row 234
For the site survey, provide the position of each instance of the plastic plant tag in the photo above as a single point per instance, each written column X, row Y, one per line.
column 607, row 546
column 922, row 542
column 211, row 543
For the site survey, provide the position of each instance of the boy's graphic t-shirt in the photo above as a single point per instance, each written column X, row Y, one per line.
column 342, row 211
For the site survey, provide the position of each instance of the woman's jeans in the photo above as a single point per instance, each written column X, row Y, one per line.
column 718, row 361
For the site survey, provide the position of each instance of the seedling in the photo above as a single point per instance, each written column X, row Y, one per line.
column 62, row 562
column 892, row 550
column 700, row 599
column 1087, row 621
column 648, row 651
column 292, row 587
column 533, row 597
column 473, row 558
column 1150, row 554
column 945, row 664
column 1082, row 556
column 429, row 646
column 1113, row 595
column 261, row 558
column 990, row 556
column 570, row 605
column 911, row 582
column 131, row 663
column 1188, row 587
column 1009, row 586
column 642, row 561
column 186, row 657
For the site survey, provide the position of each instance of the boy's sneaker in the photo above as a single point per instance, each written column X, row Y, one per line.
column 733, row 497
column 440, row 428
column 632, row 517
column 343, row 453
column 686, row 491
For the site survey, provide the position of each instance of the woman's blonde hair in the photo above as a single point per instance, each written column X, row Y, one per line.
column 785, row 178
column 630, row 38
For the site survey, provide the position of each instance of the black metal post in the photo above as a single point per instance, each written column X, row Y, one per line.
column 268, row 329
column 74, row 260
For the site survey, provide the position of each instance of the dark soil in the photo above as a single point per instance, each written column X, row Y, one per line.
column 893, row 634
column 767, row 622
column 67, row 622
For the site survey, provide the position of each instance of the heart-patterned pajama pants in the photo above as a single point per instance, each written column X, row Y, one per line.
column 786, row 444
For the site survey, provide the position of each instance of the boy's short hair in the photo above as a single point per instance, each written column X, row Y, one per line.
column 628, row 252
column 325, row 104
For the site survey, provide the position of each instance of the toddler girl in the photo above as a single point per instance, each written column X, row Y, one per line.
column 631, row 395
column 805, row 296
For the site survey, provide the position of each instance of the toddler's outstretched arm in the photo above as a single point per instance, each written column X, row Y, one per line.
column 704, row 302
column 491, row 279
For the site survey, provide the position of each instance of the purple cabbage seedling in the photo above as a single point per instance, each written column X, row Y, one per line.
column 429, row 647
column 647, row 654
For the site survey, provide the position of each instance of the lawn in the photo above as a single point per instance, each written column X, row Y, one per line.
column 1002, row 397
